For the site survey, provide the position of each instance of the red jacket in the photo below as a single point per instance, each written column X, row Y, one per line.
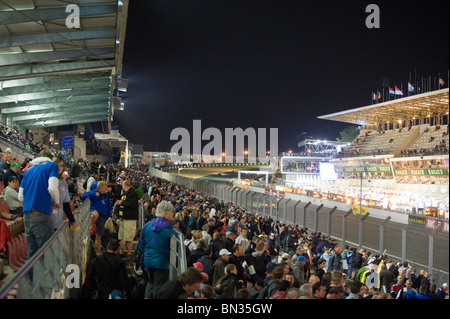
column 5, row 235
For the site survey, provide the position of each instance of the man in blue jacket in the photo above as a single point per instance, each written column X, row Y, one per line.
column 155, row 246
column 39, row 193
column 101, row 207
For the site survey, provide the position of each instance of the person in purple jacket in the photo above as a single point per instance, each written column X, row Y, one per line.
column 154, row 244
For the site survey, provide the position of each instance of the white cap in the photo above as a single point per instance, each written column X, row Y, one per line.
column 224, row 252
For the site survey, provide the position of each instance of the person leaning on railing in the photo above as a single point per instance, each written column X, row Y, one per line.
column 101, row 210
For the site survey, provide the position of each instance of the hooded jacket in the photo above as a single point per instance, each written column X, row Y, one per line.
column 39, row 186
column 155, row 243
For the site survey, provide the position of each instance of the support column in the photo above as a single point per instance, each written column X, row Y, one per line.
column 384, row 223
column 344, row 227
column 329, row 220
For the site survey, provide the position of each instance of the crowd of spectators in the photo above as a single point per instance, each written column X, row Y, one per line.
column 25, row 140
column 233, row 253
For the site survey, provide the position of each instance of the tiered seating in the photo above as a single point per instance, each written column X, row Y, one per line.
column 385, row 142
column 15, row 226
column 425, row 142
column 17, row 251
column 356, row 145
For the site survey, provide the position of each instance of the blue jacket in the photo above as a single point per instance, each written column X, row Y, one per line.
column 155, row 243
column 101, row 203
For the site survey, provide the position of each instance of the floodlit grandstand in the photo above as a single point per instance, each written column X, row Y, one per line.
column 399, row 161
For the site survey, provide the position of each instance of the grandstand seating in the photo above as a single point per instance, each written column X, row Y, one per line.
column 356, row 145
column 425, row 142
column 386, row 142
column 17, row 252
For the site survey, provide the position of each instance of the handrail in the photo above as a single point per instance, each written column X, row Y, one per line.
column 55, row 251
column 178, row 262
column 30, row 263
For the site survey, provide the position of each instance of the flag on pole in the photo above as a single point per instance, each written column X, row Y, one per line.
column 391, row 92
column 379, row 95
column 374, row 96
column 441, row 81
column 398, row 91
column 410, row 87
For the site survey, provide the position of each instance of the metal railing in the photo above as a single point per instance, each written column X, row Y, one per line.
column 178, row 263
column 58, row 268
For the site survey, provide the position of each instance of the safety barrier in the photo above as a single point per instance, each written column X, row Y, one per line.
column 214, row 165
column 178, row 263
column 56, row 270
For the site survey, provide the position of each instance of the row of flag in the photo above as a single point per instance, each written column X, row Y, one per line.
column 392, row 92
column 399, row 91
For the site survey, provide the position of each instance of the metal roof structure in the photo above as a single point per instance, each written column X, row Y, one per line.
column 52, row 74
column 434, row 103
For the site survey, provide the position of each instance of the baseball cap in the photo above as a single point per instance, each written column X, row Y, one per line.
column 198, row 265
column 14, row 164
column 302, row 258
column 271, row 266
column 224, row 252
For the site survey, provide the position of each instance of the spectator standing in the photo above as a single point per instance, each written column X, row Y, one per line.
column 306, row 291
column 299, row 269
column 188, row 282
column 442, row 291
column 207, row 263
column 155, row 246
column 101, row 210
column 128, row 216
column 319, row 290
column 39, row 194
column 282, row 291
column 355, row 290
column 357, row 263
column 219, row 265
column 14, row 170
column 229, row 281
column 237, row 258
column 386, row 278
column 321, row 263
column 64, row 199
column 108, row 272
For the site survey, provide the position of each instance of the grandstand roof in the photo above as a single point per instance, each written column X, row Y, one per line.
column 432, row 103
column 52, row 75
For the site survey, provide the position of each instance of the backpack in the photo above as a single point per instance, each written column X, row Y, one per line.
column 350, row 260
column 264, row 293
column 188, row 251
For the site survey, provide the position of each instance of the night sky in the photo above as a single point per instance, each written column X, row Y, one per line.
column 262, row 64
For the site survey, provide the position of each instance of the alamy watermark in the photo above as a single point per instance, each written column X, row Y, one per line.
column 373, row 19
column 73, row 19
column 256, row 150
column 73, row 276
